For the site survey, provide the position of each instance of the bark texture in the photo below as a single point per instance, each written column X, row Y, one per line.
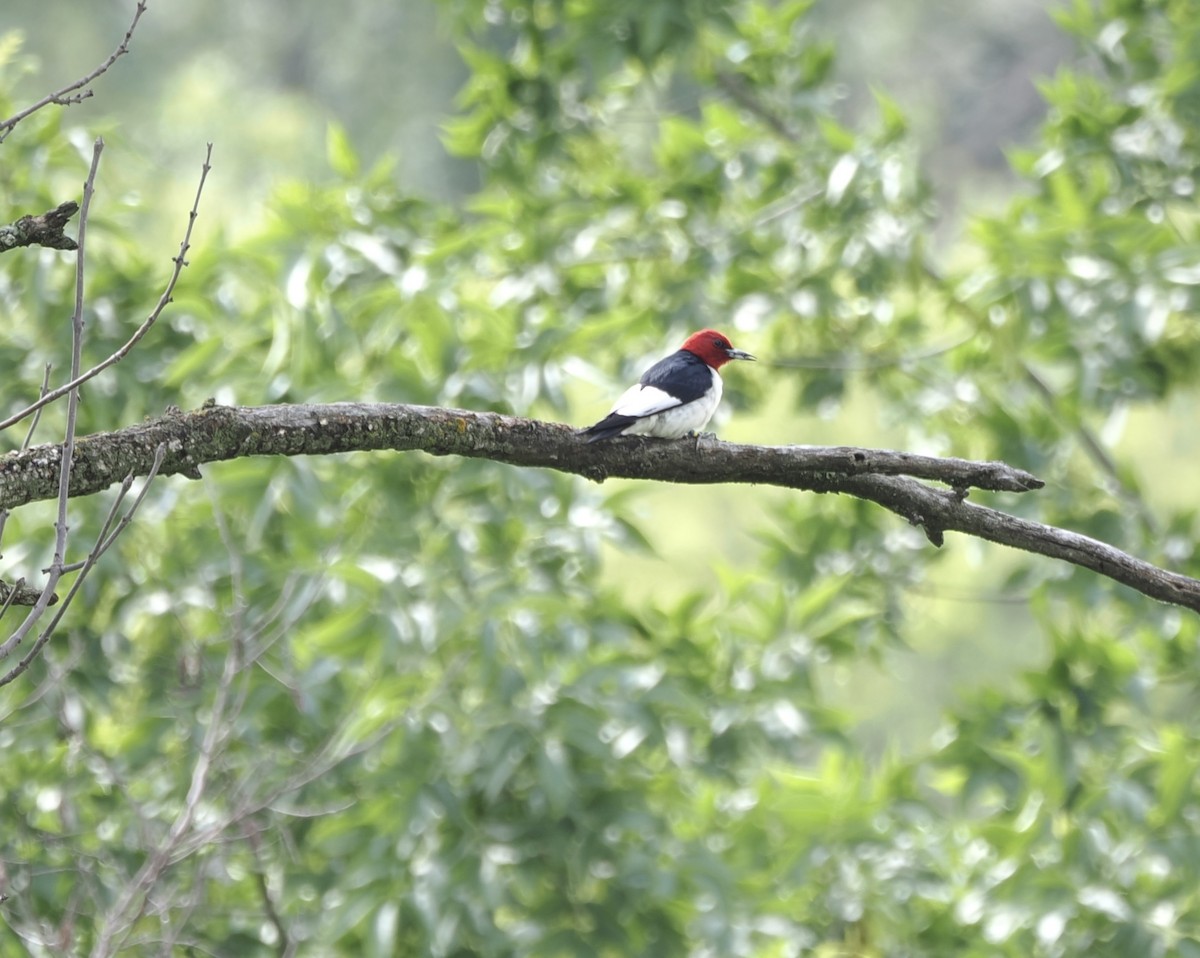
column 897, row 481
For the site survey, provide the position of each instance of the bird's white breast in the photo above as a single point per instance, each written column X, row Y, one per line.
column 675, row 420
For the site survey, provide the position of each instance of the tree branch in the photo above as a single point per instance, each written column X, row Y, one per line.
column 43, row 230
column 218, row 433
column 18, row 593
column 75, row 92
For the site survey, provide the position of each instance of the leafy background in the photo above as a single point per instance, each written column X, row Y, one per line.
column 454, row 708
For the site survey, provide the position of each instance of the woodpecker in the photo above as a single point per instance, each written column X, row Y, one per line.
column 676, row 396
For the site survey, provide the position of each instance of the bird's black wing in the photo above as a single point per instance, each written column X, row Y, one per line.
column 684, row 375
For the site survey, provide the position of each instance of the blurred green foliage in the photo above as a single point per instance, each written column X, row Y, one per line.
column 401, row 706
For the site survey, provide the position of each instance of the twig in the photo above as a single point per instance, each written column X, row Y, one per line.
column 175, row 912
column 68, row 446
column 1096, row 452
column 103, row 538
column 1092, row 445
column 120, row 919
column 285, row 946
column 867, row 362
column 38, row 415
column 740, row 92
column 68, row 95
column 164, row 300
column 237, row 581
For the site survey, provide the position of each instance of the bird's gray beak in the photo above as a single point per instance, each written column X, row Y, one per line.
column 740, row 354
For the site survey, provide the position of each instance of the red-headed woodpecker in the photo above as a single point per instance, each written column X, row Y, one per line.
column 677, row 395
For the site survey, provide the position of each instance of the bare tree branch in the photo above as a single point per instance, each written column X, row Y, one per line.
column 218, row 433
column 119, row 921
column 44, row 230
column 164, row 300
column 1095, row 450
column 18, row 593
column 37, row 417
column 741, row 93
column 75, row 92
column 68, row 446
column 285, row 943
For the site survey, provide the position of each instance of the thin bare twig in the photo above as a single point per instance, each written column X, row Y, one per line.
column 68, row 95
column 164, row 300
column 1094, row 447
column 174, row 941
column 286, row 945
column 119, row 921
column 867, row 362
column 66, row 457
column 98, row 550
column 103, row 539
column 251, row 797
column 38, row 415
column 237, row 580
column 68, row 446
column 740, row 92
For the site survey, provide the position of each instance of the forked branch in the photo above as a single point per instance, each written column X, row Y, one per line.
column 218, row 433
column 78, row 91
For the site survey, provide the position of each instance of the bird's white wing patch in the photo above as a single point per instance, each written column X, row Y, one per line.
column 639, row 401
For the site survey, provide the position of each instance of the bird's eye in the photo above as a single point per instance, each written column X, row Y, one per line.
column 721, row 343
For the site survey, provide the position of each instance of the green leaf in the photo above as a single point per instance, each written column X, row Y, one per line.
column 339, row 151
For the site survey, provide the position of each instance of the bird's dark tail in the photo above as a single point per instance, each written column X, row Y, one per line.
column 608, row 427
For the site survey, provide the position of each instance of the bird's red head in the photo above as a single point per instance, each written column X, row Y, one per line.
column 713, row 347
